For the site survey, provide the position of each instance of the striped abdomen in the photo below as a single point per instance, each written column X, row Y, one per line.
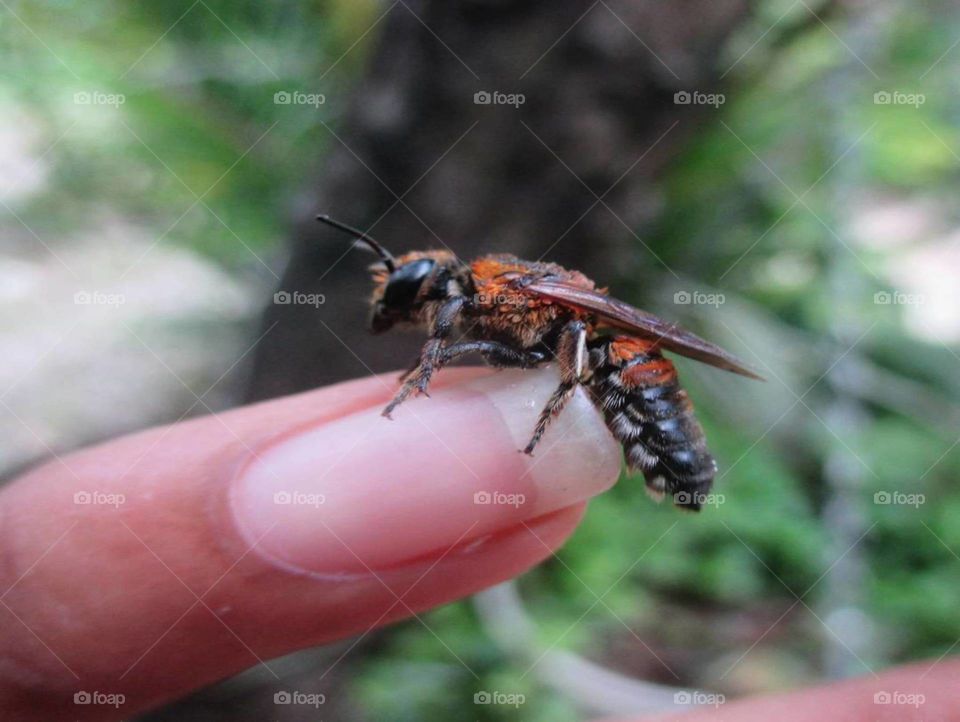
column 648, row 412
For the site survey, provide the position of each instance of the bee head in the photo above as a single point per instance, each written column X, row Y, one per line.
column 417, row 278
column 403, row 285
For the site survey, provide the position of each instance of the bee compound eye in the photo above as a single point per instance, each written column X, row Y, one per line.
column 404, row 283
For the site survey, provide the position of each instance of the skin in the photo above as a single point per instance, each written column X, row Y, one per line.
column 166, row 560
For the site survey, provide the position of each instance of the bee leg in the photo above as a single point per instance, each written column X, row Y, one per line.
column 418, row 378
column 574, row 369
column 413, row 367
column 431, row 355
column 497, row 354
column 553, row 408
column 509, row 357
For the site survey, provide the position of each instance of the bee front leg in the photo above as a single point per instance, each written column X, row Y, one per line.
column 431, row 355
column 413, row 367
column 574, row 369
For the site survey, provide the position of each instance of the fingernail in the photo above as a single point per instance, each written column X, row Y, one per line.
column 364, row 493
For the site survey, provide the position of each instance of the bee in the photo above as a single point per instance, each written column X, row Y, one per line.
column 527, row 313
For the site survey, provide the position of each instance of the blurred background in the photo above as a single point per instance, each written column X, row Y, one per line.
column 779, row 175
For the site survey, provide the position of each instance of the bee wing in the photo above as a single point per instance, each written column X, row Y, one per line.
column 646, row 325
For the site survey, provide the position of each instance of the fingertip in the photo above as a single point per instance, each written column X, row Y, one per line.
column 359, row 494
column 576, row 458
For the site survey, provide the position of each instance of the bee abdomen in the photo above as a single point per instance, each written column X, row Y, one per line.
column 652, row 417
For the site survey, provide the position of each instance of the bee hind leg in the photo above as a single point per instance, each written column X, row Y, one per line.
column 573, row 358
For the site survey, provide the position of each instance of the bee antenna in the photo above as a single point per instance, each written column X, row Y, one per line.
column 372, row 244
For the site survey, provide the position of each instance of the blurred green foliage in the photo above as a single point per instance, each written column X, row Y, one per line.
column 199, row 120
column 198, row 117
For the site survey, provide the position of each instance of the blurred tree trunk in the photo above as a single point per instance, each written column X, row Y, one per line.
column 598, row 82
